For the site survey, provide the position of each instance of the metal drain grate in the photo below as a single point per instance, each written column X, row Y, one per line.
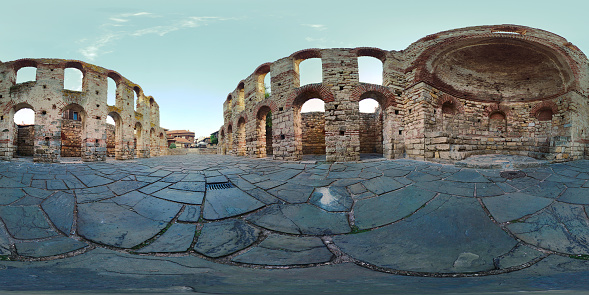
column 512, row 174
column 218, row 186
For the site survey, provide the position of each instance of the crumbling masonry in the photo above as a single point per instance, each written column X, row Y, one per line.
column 137, row 132
column 501, row 89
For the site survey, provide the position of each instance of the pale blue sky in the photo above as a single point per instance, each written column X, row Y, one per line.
column 190, row 54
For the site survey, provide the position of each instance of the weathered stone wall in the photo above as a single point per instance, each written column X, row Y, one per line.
column 371, row 133
column 71, row 138
column 25, row 140
column 444, row 98
column 110, row 140
column 313, row 132
column 47, row 97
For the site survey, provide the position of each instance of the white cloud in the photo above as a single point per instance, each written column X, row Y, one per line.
column 120, row 20
column 317, row 27
column 126, row 24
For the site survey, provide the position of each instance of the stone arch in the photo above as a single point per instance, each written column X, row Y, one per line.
column 77, row 66
column 544, row 111
column 153, row 146
column 138, row 140
column 241, row 94
column 302, row 94
column 264, row 132
column 442, row 64
column 114, row 146
column 383, row 95
column 452, row 104
column 138, row 92
column 73, row 130
column 369, row 70
column 222, row 143
column 241, row 136
column 295, row 101
column 24, row 135
column 372, row 52
column 229, row 143
column 301, row 56
column 260, row 74
column 23, row 63
column 498, row 121
column 163, row 143
column 372, row 137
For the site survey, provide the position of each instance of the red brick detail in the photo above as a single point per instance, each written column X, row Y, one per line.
column 242, row 117
column 240, row 85
column 306, row 53
column 371, row 51
column 423, row 75
column 545, row 105
column 495, row 108
column 383, row 95
column 444, row 98
column 265, row 104
column 302, row 94
column 263, row 69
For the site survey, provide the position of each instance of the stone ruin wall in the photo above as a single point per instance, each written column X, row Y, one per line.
column 481, row 90
column 47, row 97
column 71, row 138
column 24, row 140
column 371, row 133
column 313, row 132
column 110, row 140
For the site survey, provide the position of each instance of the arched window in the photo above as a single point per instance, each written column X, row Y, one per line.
column 448, row 108
column 310, row 71
column 26, row 74
column 24, row 118
column 73, row 77
column 370, row 70
column 544, row 115
column 311, row 125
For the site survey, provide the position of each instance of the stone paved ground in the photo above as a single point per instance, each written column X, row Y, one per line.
column 220, row 224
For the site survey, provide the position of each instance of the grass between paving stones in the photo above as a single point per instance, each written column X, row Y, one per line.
column 4, row 258
column 357, row 230
column 579, row 256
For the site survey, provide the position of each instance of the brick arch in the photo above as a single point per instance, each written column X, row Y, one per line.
column 306, row 54
column 384, row 95
column 22, row 63
column 138, row 90
column 244, row 117
column 269, row 104
column 302, row 94
column 371, row 51
column 547, row 104
column 263, row 69
column 494, row 108
column 444, row 98
column 422, row 63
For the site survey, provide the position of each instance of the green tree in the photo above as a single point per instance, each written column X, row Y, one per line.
column 173, row 146
column 266, row 91
column 214, row 139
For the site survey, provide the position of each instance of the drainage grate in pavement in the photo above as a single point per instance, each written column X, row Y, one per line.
column 512, row 174
column 219, row 185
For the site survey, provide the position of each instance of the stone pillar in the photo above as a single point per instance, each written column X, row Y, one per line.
column 340, row 75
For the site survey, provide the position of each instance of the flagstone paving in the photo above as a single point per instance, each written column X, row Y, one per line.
column 385, row 216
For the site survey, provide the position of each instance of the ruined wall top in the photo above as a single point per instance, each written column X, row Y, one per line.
column 533, row 64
